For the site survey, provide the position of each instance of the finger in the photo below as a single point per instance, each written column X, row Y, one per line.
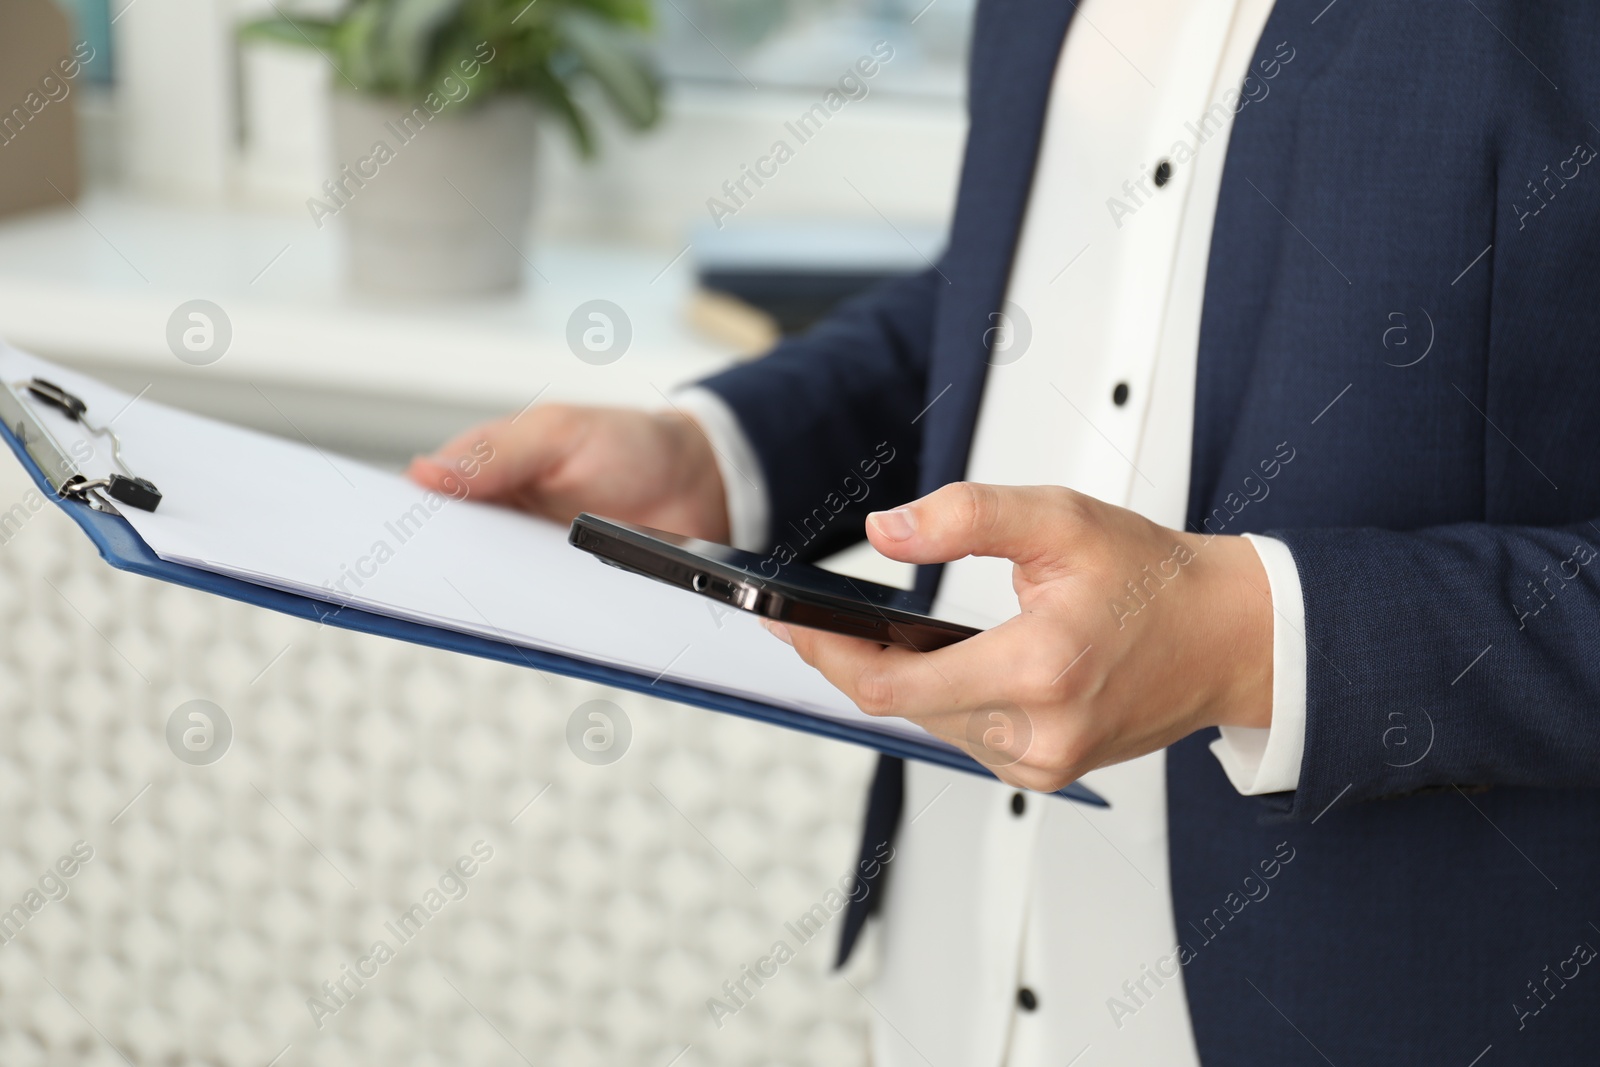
column 878, row 679
column 1009, row 758
column 499, row 458
column 958, row 695
column 432, row 474
column 1005, row 753
column 1019, row 523
column 891, row 680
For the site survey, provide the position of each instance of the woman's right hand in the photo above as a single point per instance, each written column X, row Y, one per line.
column 653, row 468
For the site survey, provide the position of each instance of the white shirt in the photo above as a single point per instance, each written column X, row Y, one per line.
column 1074, row 903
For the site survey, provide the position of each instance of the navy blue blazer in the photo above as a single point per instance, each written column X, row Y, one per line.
column 1426, row 167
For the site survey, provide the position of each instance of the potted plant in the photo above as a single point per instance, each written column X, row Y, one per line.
column 434, row 110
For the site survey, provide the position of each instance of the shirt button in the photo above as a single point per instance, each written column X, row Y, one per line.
column 1119, row 395
column 1019, row 803
column 1026, row 1000
column 1163, row 173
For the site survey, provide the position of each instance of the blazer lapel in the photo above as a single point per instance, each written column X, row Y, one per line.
column 1244, row 271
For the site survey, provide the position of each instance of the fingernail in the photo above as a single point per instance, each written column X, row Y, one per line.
column 896, row 525
column 778, row 630
column 432, row 461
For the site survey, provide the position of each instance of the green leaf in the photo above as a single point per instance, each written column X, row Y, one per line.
column 609, row 57
column 408, row 35
column 358, row 46
column 300, row 32
column 636, row 13
column 406, row 47
column 554, row 95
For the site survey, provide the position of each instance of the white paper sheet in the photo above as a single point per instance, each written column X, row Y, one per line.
column 284, row 514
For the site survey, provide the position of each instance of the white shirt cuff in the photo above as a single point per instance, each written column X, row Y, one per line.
column 1268, row 761
column 742, row 477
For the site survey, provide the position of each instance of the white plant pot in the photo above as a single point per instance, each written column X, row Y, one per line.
column 433, row 204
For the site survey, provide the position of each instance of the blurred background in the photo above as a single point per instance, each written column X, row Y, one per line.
column 583, row 200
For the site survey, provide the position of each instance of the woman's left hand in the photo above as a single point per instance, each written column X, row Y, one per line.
column 1131, row 635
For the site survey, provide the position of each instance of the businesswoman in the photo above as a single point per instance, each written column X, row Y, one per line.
column 1252, row 410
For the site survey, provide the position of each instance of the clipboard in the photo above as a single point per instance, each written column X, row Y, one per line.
column 94, row 505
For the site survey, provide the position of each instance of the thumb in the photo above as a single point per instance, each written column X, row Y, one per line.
column 1025, row 524
column 492, row 460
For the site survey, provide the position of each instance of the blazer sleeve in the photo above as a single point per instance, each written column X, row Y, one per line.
column 832, row 414
column 1452, row 657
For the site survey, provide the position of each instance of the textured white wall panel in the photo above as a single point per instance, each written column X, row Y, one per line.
column 220, row 897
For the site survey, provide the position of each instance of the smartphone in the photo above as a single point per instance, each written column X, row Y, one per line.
column 792, row 592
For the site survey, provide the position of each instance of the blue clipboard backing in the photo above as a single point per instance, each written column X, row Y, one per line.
column 121, row 547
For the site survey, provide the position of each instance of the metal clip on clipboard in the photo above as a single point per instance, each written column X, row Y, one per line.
column 59, row 470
